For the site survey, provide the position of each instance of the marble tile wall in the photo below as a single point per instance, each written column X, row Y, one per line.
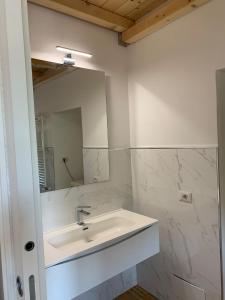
column 59, row 210
column 112, row 287
column 189, row 233
column 96, row 165
column 58, row 207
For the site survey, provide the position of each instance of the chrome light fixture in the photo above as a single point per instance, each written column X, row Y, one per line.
column 68, row 60
column 72, row 51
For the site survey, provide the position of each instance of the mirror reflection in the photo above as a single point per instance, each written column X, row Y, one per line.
column 71, row 125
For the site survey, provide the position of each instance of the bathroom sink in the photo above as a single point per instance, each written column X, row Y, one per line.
column 90, row 232
column 75, row 241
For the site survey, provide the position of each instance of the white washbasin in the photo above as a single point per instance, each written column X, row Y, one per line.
column 77, row 260
column 91, row 232
column 74, row 241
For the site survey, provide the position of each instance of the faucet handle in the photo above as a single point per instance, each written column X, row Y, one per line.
column 80, row 211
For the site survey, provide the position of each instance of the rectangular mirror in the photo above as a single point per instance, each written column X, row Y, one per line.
column 71, row 125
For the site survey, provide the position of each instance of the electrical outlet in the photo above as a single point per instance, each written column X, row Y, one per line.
column 96, row 179
column 185, row 197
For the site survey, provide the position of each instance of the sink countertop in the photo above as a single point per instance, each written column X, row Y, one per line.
column 57, row 250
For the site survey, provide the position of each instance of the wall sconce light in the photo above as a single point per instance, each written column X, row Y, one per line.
column 72, row 51
column 68, row 60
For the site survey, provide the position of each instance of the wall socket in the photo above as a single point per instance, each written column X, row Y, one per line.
column 185, row 197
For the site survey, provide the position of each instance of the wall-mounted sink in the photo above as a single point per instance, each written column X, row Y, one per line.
column 75, row 241
column 91, row 232
column 107, row 245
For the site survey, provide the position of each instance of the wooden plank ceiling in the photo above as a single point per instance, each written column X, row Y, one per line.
column 135, row 19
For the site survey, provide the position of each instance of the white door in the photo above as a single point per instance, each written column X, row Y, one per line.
column 20, row 214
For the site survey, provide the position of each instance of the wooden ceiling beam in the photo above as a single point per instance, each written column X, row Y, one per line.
column 44, row 71
column 86, row 11
column 160, row 17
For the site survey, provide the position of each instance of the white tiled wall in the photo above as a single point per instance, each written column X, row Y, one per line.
column 189, row 233
column 112, row 288
column 96, row 165
column 59, row 210
column 59, row 206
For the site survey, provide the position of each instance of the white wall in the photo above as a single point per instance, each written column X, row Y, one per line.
column 57, row 29
column 63, row 132
column 81, row 88
column 172, row 86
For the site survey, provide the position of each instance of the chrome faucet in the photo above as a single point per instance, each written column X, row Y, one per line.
column 81, row 212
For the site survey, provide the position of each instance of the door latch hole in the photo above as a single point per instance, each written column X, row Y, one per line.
column 29, row 246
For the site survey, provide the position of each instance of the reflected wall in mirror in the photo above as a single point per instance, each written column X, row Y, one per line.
column 71, row 125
